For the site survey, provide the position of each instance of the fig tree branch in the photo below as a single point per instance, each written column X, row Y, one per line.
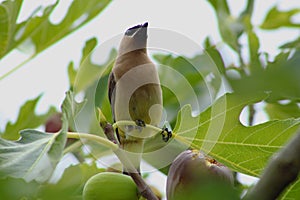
column 95, row 138
column 143, row 188
column 282, row 170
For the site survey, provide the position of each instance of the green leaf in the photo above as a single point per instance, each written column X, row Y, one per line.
column 71, row 108
column 88, row 72
column 4, row 29
column 185, row 120
column 82, row 116
column 84, row 171
column 277, row 19
column 25, row 190
column 71, row 183
column 248, row 10
column 101, row 97
column 253, row 46
column 243, row 149
column 198, row 76
column 160, row 154
column 9, row 11
column 230, row 28
column 291, row 45
column 34, row 156
column 38, row 33
column 87, row 119
column 27, row 118
column 216, row 56
column 292, row 192
column 280, row 79
column 72, row 72
column 282, row 111
column 220, row 6
column 90, row 75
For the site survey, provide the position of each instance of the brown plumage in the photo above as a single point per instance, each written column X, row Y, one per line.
column 134, row 91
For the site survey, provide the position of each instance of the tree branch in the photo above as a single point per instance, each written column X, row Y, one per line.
column 251, row 115
column 282, row 170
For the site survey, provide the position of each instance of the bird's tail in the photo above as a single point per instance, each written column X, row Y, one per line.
column 133, row 150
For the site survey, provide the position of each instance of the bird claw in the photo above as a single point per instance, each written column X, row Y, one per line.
column 166, row 134
column 140, row 123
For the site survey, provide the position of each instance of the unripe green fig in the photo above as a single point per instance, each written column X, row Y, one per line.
column 110, row 186
column 192, row 170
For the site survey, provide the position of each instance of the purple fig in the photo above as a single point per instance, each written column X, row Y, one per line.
column 193, row 168
column 53, row 123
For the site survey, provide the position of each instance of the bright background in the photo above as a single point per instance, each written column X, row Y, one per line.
column 47, row 74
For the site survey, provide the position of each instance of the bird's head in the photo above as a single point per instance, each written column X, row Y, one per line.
column 135, row 38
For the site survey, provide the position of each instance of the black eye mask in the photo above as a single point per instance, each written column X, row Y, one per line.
column 133, row 29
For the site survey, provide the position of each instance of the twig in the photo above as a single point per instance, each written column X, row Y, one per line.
column 17, row 67
column 143, row 188
column 282, row 170
column 251, row 114
column 109, row 132
column 92, row 137
column 126, row 122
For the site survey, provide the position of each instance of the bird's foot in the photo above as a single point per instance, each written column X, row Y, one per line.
column 166, row 134
column 140, row 123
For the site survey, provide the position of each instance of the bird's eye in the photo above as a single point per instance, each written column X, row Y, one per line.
column 132, row 30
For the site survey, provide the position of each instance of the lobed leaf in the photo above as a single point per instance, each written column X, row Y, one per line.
column 33, row 157
column 215, row 54
column 292, row 44
column 253, row 46
column 25, row 190
column 243, row 149
column 72, row 72
column 38, row 32
column 279, row 79
column 4, row 28
column 277, row 19
column 292, row 192
column 282, row 111
column 229, row 27
column 9, row 11
column 89, row 75
column 89, row 72
column 192, row 74
column 71, row 108
column 27, row 118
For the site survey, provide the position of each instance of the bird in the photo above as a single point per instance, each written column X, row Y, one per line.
column 135, row 93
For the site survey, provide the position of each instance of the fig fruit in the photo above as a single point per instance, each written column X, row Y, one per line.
column 53, row 123
column 192, row 169
column 110, row 186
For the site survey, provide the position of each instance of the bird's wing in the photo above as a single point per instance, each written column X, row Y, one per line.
column 111, row 97
column 112, row 93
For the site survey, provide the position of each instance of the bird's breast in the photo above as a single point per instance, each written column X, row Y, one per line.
column 139, row 96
